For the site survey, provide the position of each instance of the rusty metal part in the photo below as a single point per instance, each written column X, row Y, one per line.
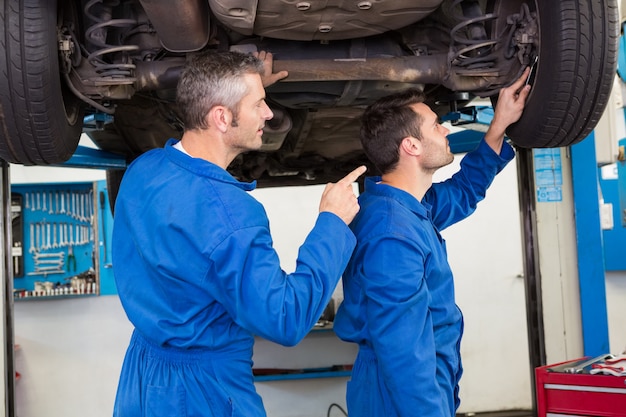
column 181, row 28
column 432, row 69
column 155, row 75
column 424, row 69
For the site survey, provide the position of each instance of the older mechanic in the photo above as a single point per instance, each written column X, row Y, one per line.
column 193, row 259
column 399, row 304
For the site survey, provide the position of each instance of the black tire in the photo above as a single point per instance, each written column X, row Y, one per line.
column 575, row 72
column 40, row 122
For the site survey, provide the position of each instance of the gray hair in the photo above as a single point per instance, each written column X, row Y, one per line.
column 212, row 79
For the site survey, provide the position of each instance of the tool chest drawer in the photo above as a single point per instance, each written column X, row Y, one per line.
column 565, row 390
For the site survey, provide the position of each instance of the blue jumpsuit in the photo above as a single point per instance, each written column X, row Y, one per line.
column 198, row 278
column 399, row 304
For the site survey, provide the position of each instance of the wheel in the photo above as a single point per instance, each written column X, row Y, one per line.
column 41, row 122
column 577, row 62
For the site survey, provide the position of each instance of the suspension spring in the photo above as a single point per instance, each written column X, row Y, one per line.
column 112, row 63
column 471, row 54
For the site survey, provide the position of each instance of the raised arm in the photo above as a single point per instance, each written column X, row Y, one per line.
column 511, row 102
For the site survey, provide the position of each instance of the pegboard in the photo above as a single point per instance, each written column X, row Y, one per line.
column 55, row 235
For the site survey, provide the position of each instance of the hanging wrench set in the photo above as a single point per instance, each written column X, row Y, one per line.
column 54, row 252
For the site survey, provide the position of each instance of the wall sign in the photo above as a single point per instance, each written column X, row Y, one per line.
column 548, row 175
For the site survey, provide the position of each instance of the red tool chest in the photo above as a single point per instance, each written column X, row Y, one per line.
column 565, row 390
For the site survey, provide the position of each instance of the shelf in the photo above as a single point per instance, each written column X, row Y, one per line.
column 320, row 327
column 281, row 374
column 336, row 371
column 54, row 297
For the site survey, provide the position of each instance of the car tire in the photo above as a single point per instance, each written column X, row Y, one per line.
column 577, row 62
column 40, row 121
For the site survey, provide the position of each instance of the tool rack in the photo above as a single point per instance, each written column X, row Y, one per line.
column 54, row 250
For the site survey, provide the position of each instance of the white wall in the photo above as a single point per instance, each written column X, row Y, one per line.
column 72, row 350
column 292, row 213
column 70, row 356
column 485, row 254
column 616, row 307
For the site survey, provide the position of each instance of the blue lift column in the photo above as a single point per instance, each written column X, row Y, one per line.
column 621, row 158
column 590, row 250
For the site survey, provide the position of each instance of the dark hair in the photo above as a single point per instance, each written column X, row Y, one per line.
column 385, row 123
column 212, row 79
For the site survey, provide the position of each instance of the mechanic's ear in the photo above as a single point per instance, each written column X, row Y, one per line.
column 220, row 117
column 411, row 146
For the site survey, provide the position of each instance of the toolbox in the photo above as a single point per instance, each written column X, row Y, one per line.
column 570, row 389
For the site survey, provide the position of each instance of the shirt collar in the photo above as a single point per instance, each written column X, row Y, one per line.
column 203, row 168
column 374, row 186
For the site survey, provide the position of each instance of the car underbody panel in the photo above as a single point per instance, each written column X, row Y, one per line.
column 317, row 20
column 122, row 59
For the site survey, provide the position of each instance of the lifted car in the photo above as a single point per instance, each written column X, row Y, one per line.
column 109, row 68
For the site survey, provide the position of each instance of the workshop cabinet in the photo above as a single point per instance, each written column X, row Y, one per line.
column 579, row 393
column 55, row 245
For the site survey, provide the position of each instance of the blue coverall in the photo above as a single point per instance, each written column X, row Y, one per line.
column 198, row 278
column 399, row 304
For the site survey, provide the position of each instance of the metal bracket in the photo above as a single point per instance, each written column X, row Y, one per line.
column 474, row 120
column 85, row 157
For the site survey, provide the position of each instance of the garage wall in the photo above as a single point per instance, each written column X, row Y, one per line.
column 485, row 254
column 615, row 296
column 71, row 351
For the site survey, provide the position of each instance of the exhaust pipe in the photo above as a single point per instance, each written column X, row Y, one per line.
column 429, row 69
column 183, row 27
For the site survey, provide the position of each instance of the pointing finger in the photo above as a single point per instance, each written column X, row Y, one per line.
column 353, row 176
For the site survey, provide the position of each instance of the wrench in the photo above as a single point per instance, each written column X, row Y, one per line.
column 48, row 245
column 32, row 238
column 74, row 208
column 579, row 367
column 54, row 239
column 39, row 255
column 37, row 236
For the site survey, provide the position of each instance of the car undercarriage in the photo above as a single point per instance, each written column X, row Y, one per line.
column 116, row 63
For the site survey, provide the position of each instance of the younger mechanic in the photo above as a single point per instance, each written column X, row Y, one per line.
column 399, row 304
column 193, row 259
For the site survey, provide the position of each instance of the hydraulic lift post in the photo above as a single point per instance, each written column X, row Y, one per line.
column 6, row 291
column 532, row 273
